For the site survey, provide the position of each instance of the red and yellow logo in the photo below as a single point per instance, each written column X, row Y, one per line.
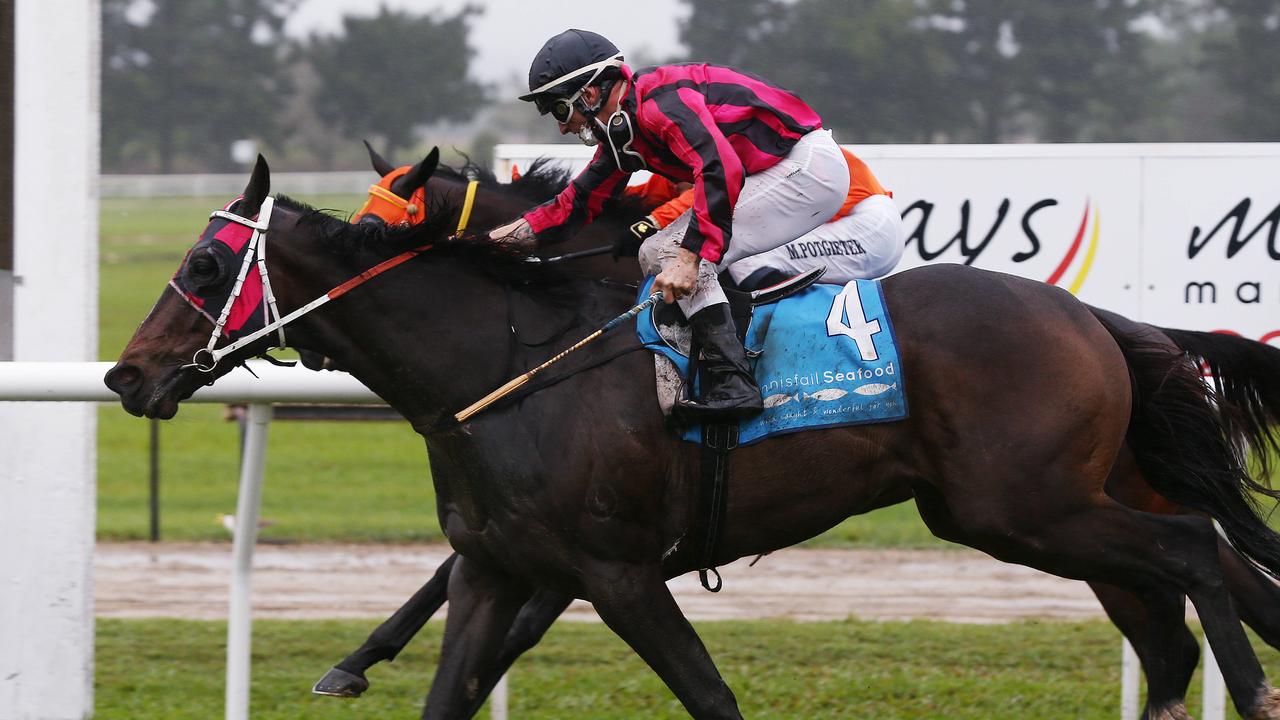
column 1090, row 252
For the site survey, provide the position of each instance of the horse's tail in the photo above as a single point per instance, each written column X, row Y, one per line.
column 1191, row 441
column 1246, row 375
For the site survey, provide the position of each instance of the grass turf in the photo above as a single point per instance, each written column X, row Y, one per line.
column 173, row 669
column 326, row 481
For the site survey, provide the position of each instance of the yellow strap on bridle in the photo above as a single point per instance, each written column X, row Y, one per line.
column 466, row 206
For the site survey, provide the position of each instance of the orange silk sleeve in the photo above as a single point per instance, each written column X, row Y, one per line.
column 672, row 209
column 653, row 192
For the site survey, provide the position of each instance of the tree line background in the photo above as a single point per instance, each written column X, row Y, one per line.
column 184, row 79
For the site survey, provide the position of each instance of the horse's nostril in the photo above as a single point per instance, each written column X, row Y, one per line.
column 122, row 377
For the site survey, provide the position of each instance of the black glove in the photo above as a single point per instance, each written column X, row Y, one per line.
column 628, row 244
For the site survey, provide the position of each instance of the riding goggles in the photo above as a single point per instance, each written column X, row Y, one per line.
column 561, row 108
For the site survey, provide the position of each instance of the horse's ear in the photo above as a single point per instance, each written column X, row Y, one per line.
column 419, row 174
column 380, row 164
column 256, row 191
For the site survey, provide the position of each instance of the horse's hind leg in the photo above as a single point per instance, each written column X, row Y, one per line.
column 483, row 604
column 1256, row 596
column 530, row 625
column 1165, row 646
column 1183, row 553
column 1154, row 624
column 635, row 603
column 1096, row 539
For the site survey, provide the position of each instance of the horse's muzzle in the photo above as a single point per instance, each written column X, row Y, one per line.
column 137, row 396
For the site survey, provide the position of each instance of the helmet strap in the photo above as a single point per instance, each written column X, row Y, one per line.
column 590, row 111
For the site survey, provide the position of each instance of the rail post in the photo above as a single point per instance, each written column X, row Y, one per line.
column 239, row 616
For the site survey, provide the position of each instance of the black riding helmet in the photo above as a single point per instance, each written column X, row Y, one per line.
column 567, row 63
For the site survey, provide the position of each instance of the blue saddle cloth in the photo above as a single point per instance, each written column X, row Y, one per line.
column 827, row 357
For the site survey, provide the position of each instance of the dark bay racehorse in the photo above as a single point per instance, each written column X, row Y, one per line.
column 1246, row 370
column 1022, row 403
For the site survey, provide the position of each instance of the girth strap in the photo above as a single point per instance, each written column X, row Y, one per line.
column 712, row 496
column 711, row 492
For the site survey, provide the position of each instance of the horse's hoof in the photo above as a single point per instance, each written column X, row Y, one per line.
column 340, row 683
column 1176, row 711
column 1268, row 706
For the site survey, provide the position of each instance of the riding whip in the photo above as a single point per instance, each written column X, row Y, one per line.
column 494, row 396
column 590, row 252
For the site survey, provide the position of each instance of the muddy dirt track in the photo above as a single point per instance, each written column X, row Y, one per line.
column 189, row 580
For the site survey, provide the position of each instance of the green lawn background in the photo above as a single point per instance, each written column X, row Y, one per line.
column 169, row 669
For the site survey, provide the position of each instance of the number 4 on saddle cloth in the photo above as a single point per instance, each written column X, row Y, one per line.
column 824, row 357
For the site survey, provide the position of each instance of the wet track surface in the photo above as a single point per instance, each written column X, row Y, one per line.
column 190, row 580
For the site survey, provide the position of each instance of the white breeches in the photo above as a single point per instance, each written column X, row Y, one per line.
column 867, row 243
column 775, row 206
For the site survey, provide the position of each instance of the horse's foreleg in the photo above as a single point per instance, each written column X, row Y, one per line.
column 483, row 604
column 1154, row 625
column 635, row 603
column 530, row 625
column 346, row 679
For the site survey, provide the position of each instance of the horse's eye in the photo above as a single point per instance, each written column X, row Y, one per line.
column 204, row 271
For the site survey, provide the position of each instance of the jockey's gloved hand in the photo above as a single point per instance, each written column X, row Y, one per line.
column 628, row 244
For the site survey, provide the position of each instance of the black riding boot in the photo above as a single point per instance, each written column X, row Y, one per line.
column 729, row 392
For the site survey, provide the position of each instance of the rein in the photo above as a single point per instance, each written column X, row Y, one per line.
column 448, row 422
column 207, row 358
column 516, row 383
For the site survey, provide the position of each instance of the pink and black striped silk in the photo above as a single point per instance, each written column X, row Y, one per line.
column 704, row 124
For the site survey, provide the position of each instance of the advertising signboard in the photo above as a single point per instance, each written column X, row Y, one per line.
column 1211, row 255
column 1179, row 235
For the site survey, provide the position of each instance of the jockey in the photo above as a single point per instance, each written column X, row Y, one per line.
column 764, row 172
column 864, row 240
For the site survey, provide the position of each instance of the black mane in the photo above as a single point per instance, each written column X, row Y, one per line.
column 496, row 259
column 542, row 181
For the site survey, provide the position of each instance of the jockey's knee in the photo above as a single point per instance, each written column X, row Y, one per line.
column 658, row 250
column 649, row 257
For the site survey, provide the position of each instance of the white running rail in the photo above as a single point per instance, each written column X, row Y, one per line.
column 1214, row 693
column 82, row 382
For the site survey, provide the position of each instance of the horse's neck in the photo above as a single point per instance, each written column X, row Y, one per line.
column 430, row 352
